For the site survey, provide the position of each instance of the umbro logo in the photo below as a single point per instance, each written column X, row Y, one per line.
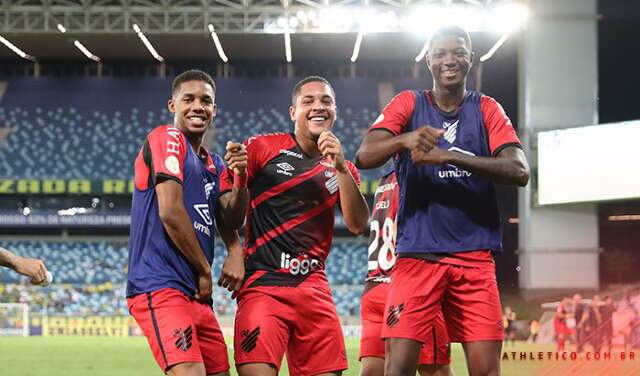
column 393, row 316
column 184, row 338
column 285, row 168
column 249, row 339
column 451, row 129
column 203, row 210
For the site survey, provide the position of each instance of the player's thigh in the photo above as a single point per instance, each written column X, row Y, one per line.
column 436, row 351
column 372, row 366
column 187, row 369
column 401, row 356
column 317, row 344
column 261, row 331
column 471, row 306
column 166, row 320
column 414, row 299
column 371, row 316
column 211, row 339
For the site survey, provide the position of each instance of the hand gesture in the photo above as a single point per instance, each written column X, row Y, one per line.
column 205, row 288
column 423, row 139
column 232, row 275
column 236, row 157
column 331, row 148
column 33, row 268
column 435, row 156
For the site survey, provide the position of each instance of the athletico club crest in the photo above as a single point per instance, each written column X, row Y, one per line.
column 184, row 338
column 249, row 339
column 393, row 316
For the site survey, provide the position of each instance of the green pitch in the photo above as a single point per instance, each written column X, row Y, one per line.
column 80, row 356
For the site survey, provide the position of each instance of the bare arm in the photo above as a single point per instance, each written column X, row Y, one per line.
column 29, row 267
column 508, row 167
column 177, row 224
column 353, row 205
column 378, row 146
column 233, row 269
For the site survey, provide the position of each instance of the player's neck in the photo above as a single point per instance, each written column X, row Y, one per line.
column 448, row 99
column 195, row 142
column 308, row 144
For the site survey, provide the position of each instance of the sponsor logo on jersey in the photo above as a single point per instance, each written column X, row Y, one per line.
column 326, row 164
column 172, row 164
column 291, row 153
column 455, row 172
column 301, row 265
column 451, row 129
column 284, row 168
column 382, row 204
column 203, row 211
column 386, row 187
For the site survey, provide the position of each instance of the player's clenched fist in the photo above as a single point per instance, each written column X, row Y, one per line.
column 232, row 275
column 331, row 148
column 422, row 139
column 236, row 157
column 435, row 156
column 205, row 287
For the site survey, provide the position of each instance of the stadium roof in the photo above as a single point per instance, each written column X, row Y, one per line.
column 248, row 29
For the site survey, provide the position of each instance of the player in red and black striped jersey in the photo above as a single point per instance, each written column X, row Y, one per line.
column 435, row 354
column 295, row 181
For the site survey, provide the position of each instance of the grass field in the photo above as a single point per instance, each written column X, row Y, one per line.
column 80, row 356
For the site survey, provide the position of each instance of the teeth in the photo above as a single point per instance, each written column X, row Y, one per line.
column 317, row 118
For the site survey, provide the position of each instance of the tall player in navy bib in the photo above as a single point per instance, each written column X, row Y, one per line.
column 176, row 205
column 452, row 145
column 435, row 355
column 295, row 181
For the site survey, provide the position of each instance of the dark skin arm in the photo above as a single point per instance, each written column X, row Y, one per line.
column 233, row 204
column 30, row 267
column 177, row 224
column 233, row 270
column 378, row 146
column 508, row 167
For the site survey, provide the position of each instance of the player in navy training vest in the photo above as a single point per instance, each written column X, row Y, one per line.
column 176, row 207
column 451, row 146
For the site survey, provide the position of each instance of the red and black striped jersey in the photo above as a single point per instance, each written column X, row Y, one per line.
column 382, row 230
column 290, row 216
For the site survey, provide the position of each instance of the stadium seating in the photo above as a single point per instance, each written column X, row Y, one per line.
column 90, row 277
column 93, row 127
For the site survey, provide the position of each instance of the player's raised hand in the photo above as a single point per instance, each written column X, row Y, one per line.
column 205, row 288
column 236, row 157
column 331, row 148
column 422, row 139
column 232, row 275
column 435, row 156
column 33, row 268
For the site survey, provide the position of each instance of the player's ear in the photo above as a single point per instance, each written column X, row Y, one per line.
column 215, row 110
column 292, row 113
column 171, row 105
column 472, row 58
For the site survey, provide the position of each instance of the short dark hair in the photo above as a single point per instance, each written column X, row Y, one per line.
column 192, row 75
column 306, row 80
column 450, row 31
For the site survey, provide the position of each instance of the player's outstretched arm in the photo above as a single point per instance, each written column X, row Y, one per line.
column 233, row 204
column 29, row 267
column 233, row 270
column 177, row 224
column 508, row 167
column 378, row 146
column 353, row 205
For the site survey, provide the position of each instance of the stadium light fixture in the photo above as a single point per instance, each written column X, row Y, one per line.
column 216, row 41
column 287, row 45
column 422, row 52
column 623, row 218
column 61, row 28
column 495, row 48
column 147, row 44
column 15, row 49
column 356, row 47
column 85, row 51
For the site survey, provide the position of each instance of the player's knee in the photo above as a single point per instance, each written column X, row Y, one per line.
column 187, row 369
column 394, row 368
column 435, row 370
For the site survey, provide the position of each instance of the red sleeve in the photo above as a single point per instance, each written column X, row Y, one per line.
column 499, row 128
column 396, row 114
column 354, row 172
column 226, row 179
column 166, row 151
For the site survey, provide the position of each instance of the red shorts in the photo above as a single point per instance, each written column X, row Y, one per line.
column 468, row 298
column 561, row 328
column 435, row 350
column 180, row 329
column 301, row 321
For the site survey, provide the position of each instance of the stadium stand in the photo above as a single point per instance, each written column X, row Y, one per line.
column 90, row 277
column 94, row 126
